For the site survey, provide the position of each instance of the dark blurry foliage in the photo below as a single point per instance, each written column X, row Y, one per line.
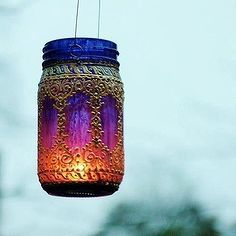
column 138, row 220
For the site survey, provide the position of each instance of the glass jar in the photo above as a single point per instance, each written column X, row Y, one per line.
column 80, row 123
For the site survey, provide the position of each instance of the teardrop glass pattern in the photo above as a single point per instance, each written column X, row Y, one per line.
column 78, row 121
column 109, row 120
column 49, row 123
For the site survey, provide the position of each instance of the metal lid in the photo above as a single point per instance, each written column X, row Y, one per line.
column 79, row 49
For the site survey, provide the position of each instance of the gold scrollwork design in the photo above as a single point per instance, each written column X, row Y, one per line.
column 94, row 162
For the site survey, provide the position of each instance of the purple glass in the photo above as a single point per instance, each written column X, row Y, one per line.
column 49, row 123
column 78, row 121
column 109, row 118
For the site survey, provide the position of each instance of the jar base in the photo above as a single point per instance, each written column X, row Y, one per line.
column 80, row 189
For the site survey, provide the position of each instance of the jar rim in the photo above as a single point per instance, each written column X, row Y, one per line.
column 80, row 49
column 80, row 38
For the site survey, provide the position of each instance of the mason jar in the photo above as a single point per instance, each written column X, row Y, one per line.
column 80, row 118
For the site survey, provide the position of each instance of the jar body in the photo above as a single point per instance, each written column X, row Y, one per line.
column 80, row 135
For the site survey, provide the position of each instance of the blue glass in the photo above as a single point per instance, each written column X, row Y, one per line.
column 79, row 49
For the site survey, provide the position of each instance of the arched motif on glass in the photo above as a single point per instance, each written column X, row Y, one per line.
column 78, row 121
column 48, row 123
column 109, row 120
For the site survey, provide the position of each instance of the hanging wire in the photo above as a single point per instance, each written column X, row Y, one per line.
column 99, row 17
column 76, row 20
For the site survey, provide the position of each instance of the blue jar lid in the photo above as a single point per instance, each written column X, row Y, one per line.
column 79, row 49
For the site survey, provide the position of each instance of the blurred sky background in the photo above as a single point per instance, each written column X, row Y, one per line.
column 178, row 65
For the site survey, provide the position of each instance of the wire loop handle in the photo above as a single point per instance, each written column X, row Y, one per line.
column 76, row 18
column 99, row 18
